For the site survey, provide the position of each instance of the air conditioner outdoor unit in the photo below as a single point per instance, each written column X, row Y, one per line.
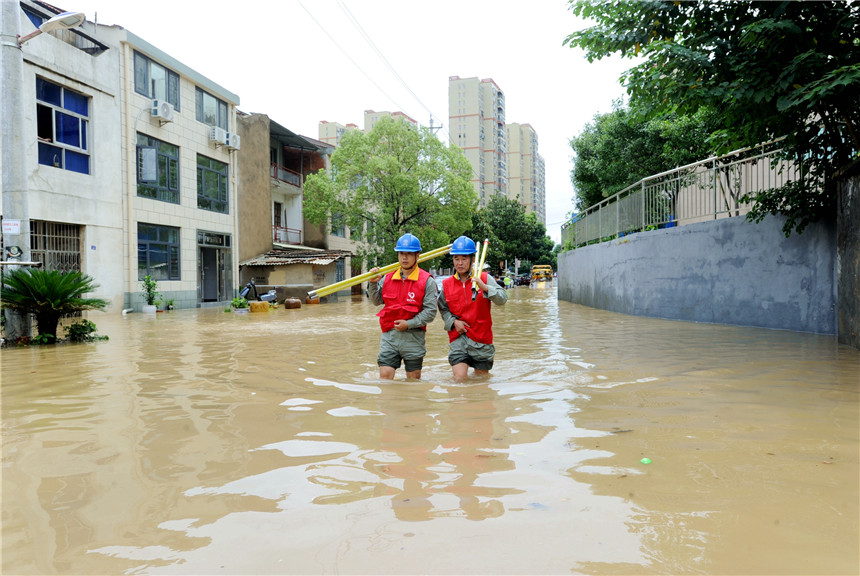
column 217, row 135
column 234, row 141
column 163, row 110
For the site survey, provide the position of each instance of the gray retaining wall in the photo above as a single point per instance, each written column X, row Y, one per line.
column 848, row 265
column 727, row 271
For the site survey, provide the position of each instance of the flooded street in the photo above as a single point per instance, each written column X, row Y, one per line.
column 201, row 442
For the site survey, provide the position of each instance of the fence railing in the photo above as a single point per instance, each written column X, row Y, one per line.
column 705, row 190
column 286, row 235
column 285, row 175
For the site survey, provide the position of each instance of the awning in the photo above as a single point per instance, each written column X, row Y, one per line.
column 288, row 138
column 287, row 257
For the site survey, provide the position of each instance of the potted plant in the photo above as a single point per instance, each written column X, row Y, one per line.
column 239, row 305
column 150, row 294
column 169, row 304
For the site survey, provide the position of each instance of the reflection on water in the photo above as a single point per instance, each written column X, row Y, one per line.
column 199, row 442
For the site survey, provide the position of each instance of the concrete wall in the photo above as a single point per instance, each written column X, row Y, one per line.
column 727, row 271
column 848, row 242
column 254, row 181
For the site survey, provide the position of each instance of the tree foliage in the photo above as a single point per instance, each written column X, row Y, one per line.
column 512, row 233
column 768, row 69
column 49, row 295
column 394, row 179
column 620, row 148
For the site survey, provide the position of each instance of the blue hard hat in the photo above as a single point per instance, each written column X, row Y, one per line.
column 464, row 246
column 407, row 243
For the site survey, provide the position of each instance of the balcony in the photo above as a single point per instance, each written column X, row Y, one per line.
column 285, row 180
column 285, row 235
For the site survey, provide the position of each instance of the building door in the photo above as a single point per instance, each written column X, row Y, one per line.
column 209, row 274
column 214, row 266
column 355, row 270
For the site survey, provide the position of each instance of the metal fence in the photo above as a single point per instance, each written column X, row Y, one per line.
column 705, row 190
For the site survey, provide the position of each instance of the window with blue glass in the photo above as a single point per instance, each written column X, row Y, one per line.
column 35, row 19
column 211, row 185
column 157, row 252
column 62, row 119
column 211, row 110
column 157, row 169
column 155, row 81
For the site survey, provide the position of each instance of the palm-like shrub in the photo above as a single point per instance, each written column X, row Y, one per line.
column 48, row 294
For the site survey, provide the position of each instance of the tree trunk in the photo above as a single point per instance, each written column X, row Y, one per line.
column 47, row 324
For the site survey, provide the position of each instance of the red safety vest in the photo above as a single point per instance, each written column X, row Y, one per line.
column 403, row 299
column 476, row 314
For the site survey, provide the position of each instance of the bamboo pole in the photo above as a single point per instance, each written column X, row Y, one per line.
column 349, row 282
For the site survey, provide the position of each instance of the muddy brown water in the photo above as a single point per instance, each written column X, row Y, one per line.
column 201, row 442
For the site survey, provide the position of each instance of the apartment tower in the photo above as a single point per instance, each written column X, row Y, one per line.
column 476, row 123
column 526, row 178
column 332, row 132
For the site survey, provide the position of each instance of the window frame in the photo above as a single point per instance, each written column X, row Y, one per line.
column 62, row 116
column 172, row 90
column 205, row 171
column 165, row 162
column 338, row 225
column 168, row 239
column 222, row 110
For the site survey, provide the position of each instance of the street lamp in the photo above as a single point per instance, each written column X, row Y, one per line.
column 62, row 21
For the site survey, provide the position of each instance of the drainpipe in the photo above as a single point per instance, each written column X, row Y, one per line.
column 234, row 244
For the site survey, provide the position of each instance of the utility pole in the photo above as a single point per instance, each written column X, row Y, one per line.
column 13, row 161
column 434, row 129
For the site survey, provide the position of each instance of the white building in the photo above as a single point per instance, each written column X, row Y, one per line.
column 117, row 160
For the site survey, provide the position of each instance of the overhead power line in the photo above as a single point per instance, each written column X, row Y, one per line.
column 382, row 57
column 335, row 42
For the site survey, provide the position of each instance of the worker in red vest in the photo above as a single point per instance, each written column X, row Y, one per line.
column 409, row 298
column 466, row 312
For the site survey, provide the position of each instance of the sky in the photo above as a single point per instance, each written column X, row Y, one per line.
column 303, row 61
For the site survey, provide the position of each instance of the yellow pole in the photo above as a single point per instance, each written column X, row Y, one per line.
column 349, row 282
column 483, row 255
column 475, row 269
column 480, row 258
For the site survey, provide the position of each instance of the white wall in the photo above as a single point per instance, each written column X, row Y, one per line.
column 95, row 200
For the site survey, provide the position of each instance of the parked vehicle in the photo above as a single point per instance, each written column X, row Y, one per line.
column 541, row 273
column 269, row 296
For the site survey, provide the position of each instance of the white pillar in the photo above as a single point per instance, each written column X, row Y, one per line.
column 13, row 161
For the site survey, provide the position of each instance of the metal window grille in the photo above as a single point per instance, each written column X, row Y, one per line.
column 57, row 246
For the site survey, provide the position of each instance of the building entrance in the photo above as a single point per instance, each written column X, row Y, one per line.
column 214, row 267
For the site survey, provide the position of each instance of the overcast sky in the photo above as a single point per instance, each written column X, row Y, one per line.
column 303, row 61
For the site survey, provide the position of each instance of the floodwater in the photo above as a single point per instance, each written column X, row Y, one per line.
column 201, row 442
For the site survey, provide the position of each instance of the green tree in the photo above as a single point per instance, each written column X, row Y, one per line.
column 394, row 179
column 618, row 149
column 768, row 69
column 541, row 245
column 512, row 233
column 49, row 295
